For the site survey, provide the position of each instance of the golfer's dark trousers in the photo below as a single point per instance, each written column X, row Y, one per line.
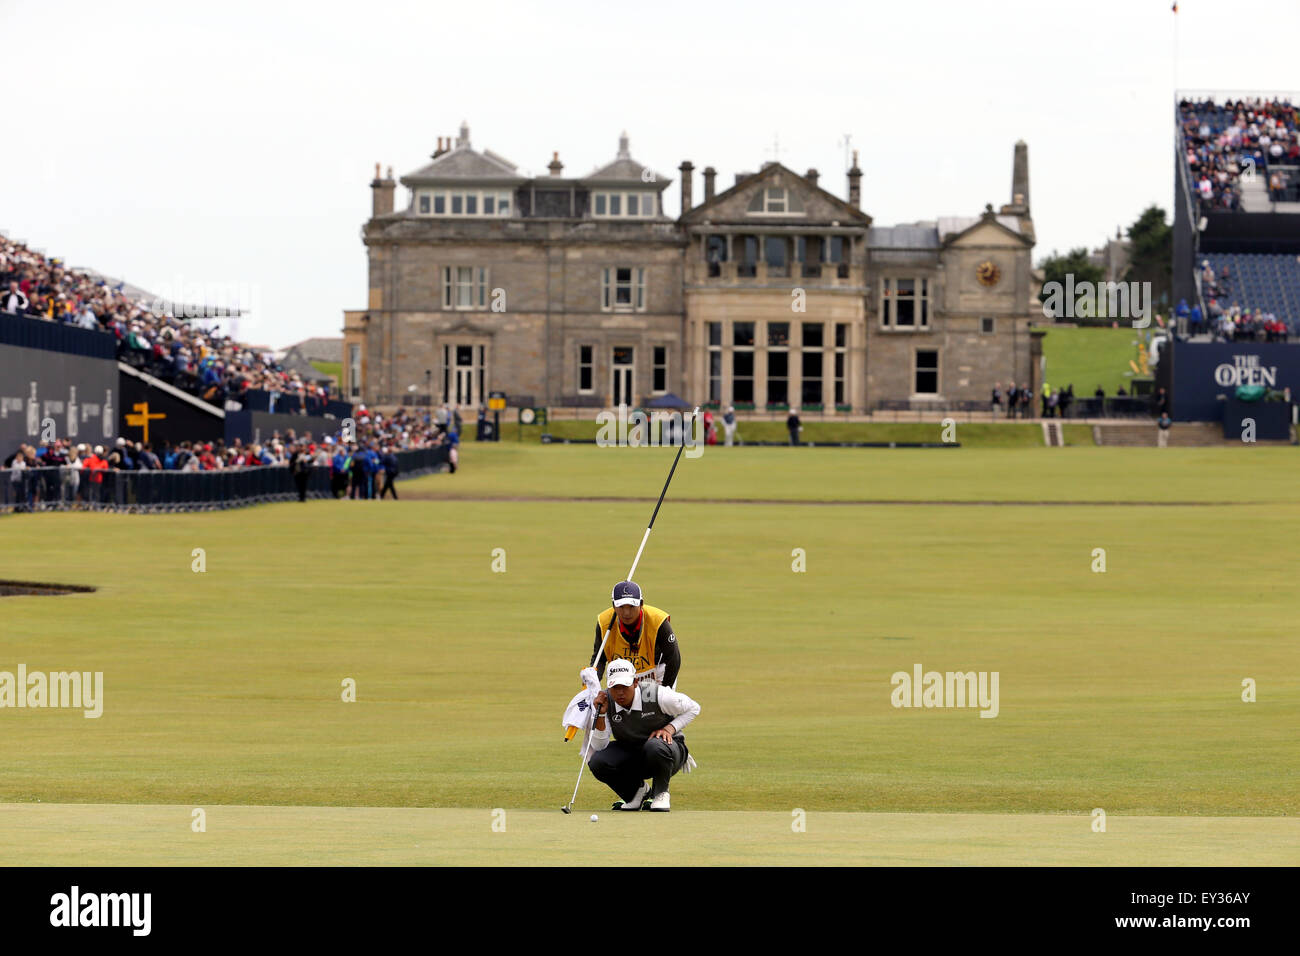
column 390, row 485
column 623, row 765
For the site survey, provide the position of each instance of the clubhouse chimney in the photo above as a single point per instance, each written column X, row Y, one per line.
column 1020, row 176
column 555, row 166
column 1019, row 205
column 382, row 190
column 686, row 169
column 710, row 174
column 855, row 183
column 811, row 176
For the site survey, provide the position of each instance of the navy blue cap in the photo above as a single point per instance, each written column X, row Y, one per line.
column 627, row 592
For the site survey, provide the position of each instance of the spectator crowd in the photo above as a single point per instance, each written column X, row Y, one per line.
column 361, row 457
column 1020, row 400
column 202, row 362
column 1225, row 142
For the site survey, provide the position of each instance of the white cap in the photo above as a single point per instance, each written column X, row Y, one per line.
column 621, row 673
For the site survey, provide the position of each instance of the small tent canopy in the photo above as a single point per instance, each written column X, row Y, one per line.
column 669, row 401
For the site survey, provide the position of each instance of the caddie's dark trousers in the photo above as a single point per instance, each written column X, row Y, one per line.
column 623, row 766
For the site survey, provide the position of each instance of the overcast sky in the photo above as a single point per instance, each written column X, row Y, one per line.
column 229, row 146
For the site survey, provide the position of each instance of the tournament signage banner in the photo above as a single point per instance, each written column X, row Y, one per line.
column 46, row 395
column 1205, row 371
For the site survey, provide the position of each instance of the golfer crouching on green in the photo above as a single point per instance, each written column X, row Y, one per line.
column 647, row 720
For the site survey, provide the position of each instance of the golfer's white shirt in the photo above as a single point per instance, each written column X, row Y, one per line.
column 680, row 707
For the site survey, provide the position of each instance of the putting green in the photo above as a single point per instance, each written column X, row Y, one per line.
column 64, row 835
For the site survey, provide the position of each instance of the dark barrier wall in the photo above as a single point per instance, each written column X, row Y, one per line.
column 55, row 337
column 1204, row 371
column 54, row 489
column 260, row 426
column 78, row 394
column 1272, row 420
column 1251, row 232
column 170, row 419
column 259, row 400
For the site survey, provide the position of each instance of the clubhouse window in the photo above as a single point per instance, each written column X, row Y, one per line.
column 660, row 380
column 715, row 362
column 774, row 201
column 742, row 377
column 464, row 287
column 623, row 205
column 586, row 368
column 478, row 203
column 841, row 356
column 927, row 372
column 811, row 389
column 778, row 377
column 905, row 304
column 623, row 289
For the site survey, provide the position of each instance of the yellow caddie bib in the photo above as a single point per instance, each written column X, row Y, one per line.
column 642, row 655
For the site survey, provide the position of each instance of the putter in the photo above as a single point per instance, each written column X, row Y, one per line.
column 585, row 748
column 604, row 640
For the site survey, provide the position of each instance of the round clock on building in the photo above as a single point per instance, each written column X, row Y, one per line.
column 988, row 273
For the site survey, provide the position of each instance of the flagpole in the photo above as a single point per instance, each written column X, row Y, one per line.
column 1174, row 66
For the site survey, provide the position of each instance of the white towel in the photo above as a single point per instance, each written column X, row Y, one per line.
column 580, row 713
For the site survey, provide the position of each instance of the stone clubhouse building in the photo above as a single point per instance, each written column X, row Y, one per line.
column 584, row 291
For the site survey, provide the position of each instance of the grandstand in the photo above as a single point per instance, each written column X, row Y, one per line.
column 1268, row 282
column 1236, row 259
column 152, row 336
column 1237, row 206
column 98, row 374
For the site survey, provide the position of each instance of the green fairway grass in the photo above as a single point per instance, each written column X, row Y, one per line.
column 333, row 369
column 1088, row 357
column 69, row 835
column 1106, row 474
column 1119, row 690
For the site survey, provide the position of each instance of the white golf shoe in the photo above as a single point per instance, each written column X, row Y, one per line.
column 636, row 801
column 660, row 802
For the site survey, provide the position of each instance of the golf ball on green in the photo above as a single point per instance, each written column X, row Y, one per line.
column 594, row 818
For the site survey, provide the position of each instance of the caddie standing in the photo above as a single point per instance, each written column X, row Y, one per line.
column 638, row 633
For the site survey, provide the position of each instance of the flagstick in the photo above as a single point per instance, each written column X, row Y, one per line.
column 646, row 537
column 604, row 640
